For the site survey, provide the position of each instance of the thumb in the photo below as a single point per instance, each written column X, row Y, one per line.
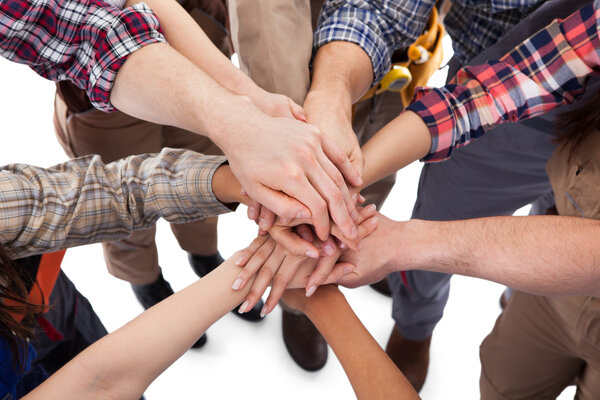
column 297, row 111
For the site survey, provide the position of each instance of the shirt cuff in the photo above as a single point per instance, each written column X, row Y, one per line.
column 199, row 185
column 436, row 111
column 361, row 28
column 132, row 29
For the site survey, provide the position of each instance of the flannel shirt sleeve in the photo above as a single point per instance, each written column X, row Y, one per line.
column 85, row 201
column 544, row 72
column 84, row 41
column 378, row 27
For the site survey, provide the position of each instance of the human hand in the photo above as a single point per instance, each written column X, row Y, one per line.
column 291, row 169
column 282, row 269
column 297, row 300
column 377, row 256
column 335, row 121
column 278, row 105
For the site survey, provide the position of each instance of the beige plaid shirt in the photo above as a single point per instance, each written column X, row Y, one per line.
column 85, row 201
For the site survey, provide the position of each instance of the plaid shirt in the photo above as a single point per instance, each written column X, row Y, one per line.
column 384, row 26
column 84, row 201
column 545, row 71
column 84, row 41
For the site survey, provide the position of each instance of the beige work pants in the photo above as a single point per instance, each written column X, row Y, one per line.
column 273, row 39
column 539, row 346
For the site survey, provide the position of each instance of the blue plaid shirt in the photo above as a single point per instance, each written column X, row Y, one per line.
column 381, row 27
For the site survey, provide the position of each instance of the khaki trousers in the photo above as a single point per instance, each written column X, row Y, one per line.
column 539, row 346
column 117, row 135
column 273, row 39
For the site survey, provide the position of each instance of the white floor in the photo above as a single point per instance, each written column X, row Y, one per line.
column 243, row 360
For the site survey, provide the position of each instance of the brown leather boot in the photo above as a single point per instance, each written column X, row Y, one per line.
column 303, row 341
column 411, row 357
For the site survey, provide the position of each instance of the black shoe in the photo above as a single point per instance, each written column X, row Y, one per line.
column 155, row 292
column 303, row 341
column 203, row 265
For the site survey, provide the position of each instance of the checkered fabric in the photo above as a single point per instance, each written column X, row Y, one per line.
column 547, row 70
column 84, row 41
column 84, row 201
column 381, row 27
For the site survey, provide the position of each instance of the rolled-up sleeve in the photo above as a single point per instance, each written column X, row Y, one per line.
column 547, row 70
column 378, row 27
column 85, row 201
column 84, row 41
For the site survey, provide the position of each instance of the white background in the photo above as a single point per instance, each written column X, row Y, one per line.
column 241, row 359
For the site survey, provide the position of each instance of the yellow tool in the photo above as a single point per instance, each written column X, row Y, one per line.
column 424, row 57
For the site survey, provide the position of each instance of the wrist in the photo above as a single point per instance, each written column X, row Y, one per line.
column 325, row 298
column 225, row 185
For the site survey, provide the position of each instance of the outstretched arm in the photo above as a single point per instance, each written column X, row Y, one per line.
column 545, row 255
column 372, row 374
column 123, row 364
column 544, row 72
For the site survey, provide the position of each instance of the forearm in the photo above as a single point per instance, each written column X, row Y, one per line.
column 86, row 201
column 124, row 363
column 186, row 36
column 546, row 255
column 370, row 371
column 403, row 140
column 342, row 73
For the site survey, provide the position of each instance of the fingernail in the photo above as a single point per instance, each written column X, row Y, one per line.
column 252, row 213
column 354, row 233
column 343, row 245
column 243, row 307
column 355, row 197
column 373, row 207
column 262, row 224
column 243, row 192
column 374, row 221
column 312, row 254
column 359, row 181
column 285, row 221
column 329, row 250
column 303, row 215
column 237, row 283
column 264, row 311
column 354, row 215
column 239, row 261
column 311, row 290
column 347, row 270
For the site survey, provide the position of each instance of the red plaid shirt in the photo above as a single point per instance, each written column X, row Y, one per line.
column 542, row 73
column 84, row 41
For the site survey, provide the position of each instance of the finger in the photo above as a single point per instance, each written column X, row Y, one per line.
column 305, row 192
column 242, row 256
column 329, row 247
column 335, row 202
column 338, row 273
column 366, row 228
column 352, row 173
column 297, row 111
column 340, row 183
column 364, row 214
column 293, row 243
column 254, row 208
column 266, row 219
column 280, row 281
column 361, row 199
column 263, row 279
column 349, row 280
column 264, row 247
column 282, row 204
column 322, row 270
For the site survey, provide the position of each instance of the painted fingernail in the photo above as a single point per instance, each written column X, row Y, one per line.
column 354, row 215
column 239, row 261
column 311, row 290
column 347, row 270
column 303, row 215
column 237, row 283
column 312, row 254
column 329, row 250
column 264, row 311
column 243, row 307
column 354, row 233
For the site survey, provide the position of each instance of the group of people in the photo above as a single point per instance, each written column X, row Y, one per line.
column 194, row 136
